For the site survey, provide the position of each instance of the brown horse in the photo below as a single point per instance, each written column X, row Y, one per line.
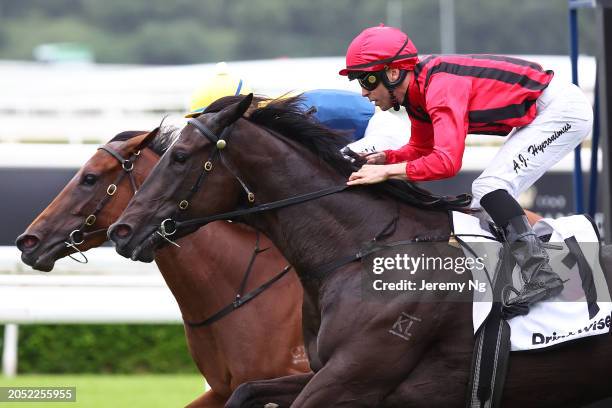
column 260, row 340
column 358, row 358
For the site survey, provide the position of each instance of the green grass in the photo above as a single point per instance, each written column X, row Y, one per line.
column 101, row 391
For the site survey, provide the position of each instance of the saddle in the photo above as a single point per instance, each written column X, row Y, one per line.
column 583, row 308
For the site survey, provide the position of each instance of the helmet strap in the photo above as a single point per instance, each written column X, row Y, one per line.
column 394, row 101
column 391, row 85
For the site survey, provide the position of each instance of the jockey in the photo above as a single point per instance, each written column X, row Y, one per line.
column 446, row 98
column 222, row 83
column 371, row 129
column 336, row 109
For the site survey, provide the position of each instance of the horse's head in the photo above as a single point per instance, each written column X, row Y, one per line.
column 77, row 219
column 199, row 160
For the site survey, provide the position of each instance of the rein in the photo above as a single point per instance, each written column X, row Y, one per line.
column 79, row 235
column 169, row 226
column 298, row 199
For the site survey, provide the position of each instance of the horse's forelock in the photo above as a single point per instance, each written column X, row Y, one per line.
column 169, row 131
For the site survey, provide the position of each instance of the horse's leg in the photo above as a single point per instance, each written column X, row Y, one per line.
column 279, row 391
column 331, row 387
column 311, row 322
column 367, row 365
column 209, row 399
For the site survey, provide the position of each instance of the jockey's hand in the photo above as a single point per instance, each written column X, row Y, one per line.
column 374, row 157
column 372, row 173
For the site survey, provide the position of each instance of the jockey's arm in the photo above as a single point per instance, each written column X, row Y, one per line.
column 447, row 105
column 420, row 144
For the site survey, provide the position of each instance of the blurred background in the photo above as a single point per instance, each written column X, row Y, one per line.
column 73, row 73
column 191, row 32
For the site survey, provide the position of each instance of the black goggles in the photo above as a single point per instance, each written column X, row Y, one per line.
column 367, row 80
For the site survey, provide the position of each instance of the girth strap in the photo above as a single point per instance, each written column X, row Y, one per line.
column 322, row 272
column 239, row 302
column 492, row 346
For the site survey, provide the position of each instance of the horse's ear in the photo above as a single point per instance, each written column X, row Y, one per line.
column 232, row 113
column 147, row 139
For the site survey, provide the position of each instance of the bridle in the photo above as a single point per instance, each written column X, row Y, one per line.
column 78, row 236
column 169, row 226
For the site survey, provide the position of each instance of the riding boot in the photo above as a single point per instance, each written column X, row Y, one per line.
column 540, row 281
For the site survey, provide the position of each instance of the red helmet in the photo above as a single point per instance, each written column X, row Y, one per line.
column 376, row 48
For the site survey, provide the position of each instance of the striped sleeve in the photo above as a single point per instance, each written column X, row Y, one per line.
column 447, row 101
column 420, row 144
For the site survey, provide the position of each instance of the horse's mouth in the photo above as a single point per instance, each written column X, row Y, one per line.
column 43, row 259
column 145, row 252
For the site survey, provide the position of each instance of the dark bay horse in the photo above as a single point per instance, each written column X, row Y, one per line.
column 260, row 340
column 276, row 153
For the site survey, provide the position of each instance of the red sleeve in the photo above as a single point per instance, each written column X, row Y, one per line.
column 447, row 102
column 420, row 143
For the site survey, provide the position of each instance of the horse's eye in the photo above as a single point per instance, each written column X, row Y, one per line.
column 90, row 179
column 179, row 157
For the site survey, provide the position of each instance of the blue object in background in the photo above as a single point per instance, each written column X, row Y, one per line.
column 340, row 110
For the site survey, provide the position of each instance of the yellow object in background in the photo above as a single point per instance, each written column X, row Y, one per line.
column 222, row 83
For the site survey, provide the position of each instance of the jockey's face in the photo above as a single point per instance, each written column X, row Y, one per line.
column 380, row 95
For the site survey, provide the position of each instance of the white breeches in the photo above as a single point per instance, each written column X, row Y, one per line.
column 563, row 121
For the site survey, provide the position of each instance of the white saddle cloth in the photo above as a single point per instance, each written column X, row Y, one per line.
column 562, row 318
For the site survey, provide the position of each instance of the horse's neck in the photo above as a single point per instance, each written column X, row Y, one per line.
column 317, row 232
column 205, row 273
column 314, row 233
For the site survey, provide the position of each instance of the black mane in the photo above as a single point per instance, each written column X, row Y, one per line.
column 160, row 143
column 286, row 117
column 127, row 135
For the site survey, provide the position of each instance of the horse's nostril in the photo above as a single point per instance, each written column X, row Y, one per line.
column 122, row 231
column 27, row 242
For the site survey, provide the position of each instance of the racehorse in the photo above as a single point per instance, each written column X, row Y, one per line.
column 281, row 173
column 260, row 340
